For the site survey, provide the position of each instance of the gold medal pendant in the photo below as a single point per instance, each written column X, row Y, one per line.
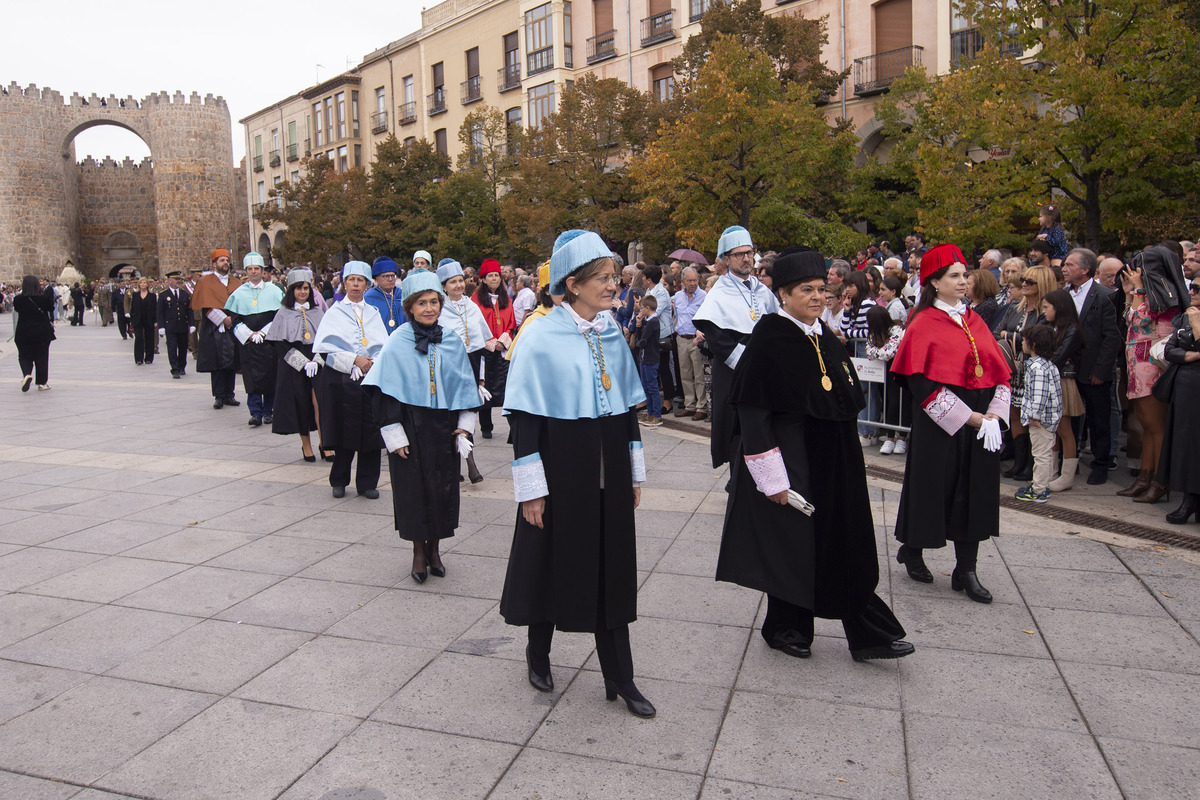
column 307, row 335
column 826, row 384
column 605, row 381
column 254, row 302
column 753, row 315
column 364, row 341
column 978, row 370
column 391, row 323
column 432, row 387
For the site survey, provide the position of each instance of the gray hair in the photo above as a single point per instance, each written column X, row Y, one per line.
column 994, row 256
column 840, row 267
column 1087, row 259
column 692, row 270
column 893, row 263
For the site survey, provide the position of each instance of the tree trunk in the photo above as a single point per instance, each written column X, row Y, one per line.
column 1091, row 213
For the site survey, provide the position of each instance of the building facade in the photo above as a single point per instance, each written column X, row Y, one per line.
column 520, row 55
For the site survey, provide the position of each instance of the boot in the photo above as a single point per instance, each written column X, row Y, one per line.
column 1155, row 493
column 1022, row 462
column 1189, row 506
column 1065, row 481
column 1140, row 485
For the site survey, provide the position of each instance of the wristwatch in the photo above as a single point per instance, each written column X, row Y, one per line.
column 1140, row 292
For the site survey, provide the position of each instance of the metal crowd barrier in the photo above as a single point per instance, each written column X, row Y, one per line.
column 872, row 372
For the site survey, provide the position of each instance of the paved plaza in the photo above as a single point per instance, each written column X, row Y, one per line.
column 186, row 612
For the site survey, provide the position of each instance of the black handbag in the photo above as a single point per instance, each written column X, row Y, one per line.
column 1162, row 278
column 1164, row 387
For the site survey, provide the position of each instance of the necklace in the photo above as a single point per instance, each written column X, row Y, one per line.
column 304, row 316
column 749, row 301
column 598, row 353
column 430, row 358
column 359, row 318
column 974, row 350
column 826, row 383
column 255, row 293
column 466, row 328
column 391, row 298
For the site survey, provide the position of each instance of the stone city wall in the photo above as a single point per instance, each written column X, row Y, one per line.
column 115, row 197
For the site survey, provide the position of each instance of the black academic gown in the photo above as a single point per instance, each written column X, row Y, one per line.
column 585, row 553
column 259, row 360
column 215, row 351
column 826, row 563
column 425, row 498
column 347, row 421
column 721, row 342
column 293, row 410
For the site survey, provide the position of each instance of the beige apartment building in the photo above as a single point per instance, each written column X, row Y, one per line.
column 520, row 55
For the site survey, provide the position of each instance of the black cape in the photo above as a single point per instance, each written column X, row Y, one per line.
column 827, row 562
column 720, row 343
column 258, row 360
column 215, row 351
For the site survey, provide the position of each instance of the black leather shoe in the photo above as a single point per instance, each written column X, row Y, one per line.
column 370, row 494
column 892, row 650
column 918, row 571
column 793, row 650
column 543, row 683
column 175, row 375
column 487, row 434
column 339, row 491
column 1097, row 476
column 968, row 582
column 268, row 418
column 218, row 403
column 638, row 706
column 255, row 422
column 1189, row 506
column 419, row 577
column 232, row 401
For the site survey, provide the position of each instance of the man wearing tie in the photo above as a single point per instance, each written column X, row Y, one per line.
column 118, row 304
column 175, row 322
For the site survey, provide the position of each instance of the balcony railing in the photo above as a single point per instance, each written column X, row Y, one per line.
column 696, row 9
column 472, row 90
column 407, row 113
column 437, row 101
column 602, row 47
column 258, row 164
column 379, row 122
column 874, row 74
column 965, row 45
column 509, row 77
column 539, row 61
column 307, row 147
column 659, row 28
column 275, row 159
column 568, row 56
column 293, row 151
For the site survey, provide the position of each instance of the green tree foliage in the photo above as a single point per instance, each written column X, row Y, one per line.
column 573, row 173
column 396, row 221
column 791, row 41
column 1100, row 111
column 322, row 212
column 748, row 151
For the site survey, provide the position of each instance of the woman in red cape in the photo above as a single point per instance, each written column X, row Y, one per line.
column 958, row 380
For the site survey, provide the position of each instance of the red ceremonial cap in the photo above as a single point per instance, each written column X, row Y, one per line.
column 489, row 265
column 937, row 257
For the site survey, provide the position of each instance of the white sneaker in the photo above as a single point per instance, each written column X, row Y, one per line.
column 888, row 447
column 866, row 441
column 43, row 388
column 901, row 447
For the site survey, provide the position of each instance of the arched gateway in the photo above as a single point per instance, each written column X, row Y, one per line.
column 40, row 192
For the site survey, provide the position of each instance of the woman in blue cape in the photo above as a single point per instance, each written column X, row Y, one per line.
column 571, row 396
column 424, row 397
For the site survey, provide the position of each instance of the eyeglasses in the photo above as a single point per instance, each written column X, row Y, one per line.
column 607, row 279
column 748, row 254
column 1027, row 282
column 1195, row 288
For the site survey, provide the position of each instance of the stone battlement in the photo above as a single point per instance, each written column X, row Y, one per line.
column 109, row 161
column 32, row 92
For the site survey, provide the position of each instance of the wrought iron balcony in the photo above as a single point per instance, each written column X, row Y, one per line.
column 379, row 122
column 539, row 61
column 307, row 147
column 965, row 45
column 275, row 159
column 408, row 113
column 509, row 77
column 258, row 164
column 874, row 74
column 293, row 151
column 472, row 90
column 602, row 47
column 568, row 56
column 696, row 8
column 437, row 101
column 659, row 28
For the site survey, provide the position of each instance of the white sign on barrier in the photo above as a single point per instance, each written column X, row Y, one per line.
column 870, row 371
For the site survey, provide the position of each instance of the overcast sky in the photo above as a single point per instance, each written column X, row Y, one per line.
column 250, row 54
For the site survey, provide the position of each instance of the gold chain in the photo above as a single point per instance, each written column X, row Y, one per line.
column 304, row 317
column 826, row 383
column 974, row 350
column 430, row 358
column 599, row 356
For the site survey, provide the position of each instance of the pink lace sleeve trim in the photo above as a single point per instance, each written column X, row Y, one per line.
column 1001, row 401
column 768, row 471
column 946, row 410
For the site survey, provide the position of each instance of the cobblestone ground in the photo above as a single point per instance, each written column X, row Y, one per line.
column 186, row 612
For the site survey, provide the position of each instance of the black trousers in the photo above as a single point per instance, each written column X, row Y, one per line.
column 495, row 376
column 222, row 381
column 33, row 357
column 122, row 320
column 145, row 339
column 367, row 474
column 1097, row 403
column 177, row 349
column 666, row 376
column 790, row 624
column 77, row 316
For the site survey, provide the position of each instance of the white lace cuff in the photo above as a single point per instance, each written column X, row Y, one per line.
column 295, row 359
column 768, row 471
column 637, row 462
column 394, row 437
column 946, row 410
column 466, row 421
column 242, row 332
column 529, row 478
column 342, row 362
column 1001, row 401
column 735, row 356
column 216, row 316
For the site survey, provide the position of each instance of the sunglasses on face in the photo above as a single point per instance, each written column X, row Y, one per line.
column 1195, row 288
column 1027, row 282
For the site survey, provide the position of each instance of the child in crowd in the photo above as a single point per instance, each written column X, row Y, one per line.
column 1041, row 408
column 883, row 337
column 1050, row 219
column 647, row 356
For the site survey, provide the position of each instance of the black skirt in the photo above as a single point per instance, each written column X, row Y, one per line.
column 293, row 411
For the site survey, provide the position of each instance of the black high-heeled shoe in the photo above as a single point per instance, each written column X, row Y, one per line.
column 543, row 683
column 437, row 571
column 969, row 582
column 1189, row 506
column 310, row 459
column 916, row 570
column 637, row 705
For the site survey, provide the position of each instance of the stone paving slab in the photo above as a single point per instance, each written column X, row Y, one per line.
column 213, row 624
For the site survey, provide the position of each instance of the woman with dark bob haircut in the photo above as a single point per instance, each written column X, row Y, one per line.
column 292, row 330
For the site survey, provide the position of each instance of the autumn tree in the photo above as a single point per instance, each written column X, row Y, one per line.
column 395, row 221
column 1090, row 101
column 749, row 151
column 573, row 170
column 321, row 211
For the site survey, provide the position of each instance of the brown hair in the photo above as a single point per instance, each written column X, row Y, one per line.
column 588, row 270
column 408, row 302
column 984, row 286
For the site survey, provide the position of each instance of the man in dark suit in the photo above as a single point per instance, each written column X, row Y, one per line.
column 175, row 322
column 118, row 304
column 1102, row 337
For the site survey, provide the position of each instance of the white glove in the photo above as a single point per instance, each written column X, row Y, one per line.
column 311, row 368
column 989, row 431
column 464, row 445
column 356, row 373
column 162, row 331
column 484, row 394
column 258, row 337
column 191, row 329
